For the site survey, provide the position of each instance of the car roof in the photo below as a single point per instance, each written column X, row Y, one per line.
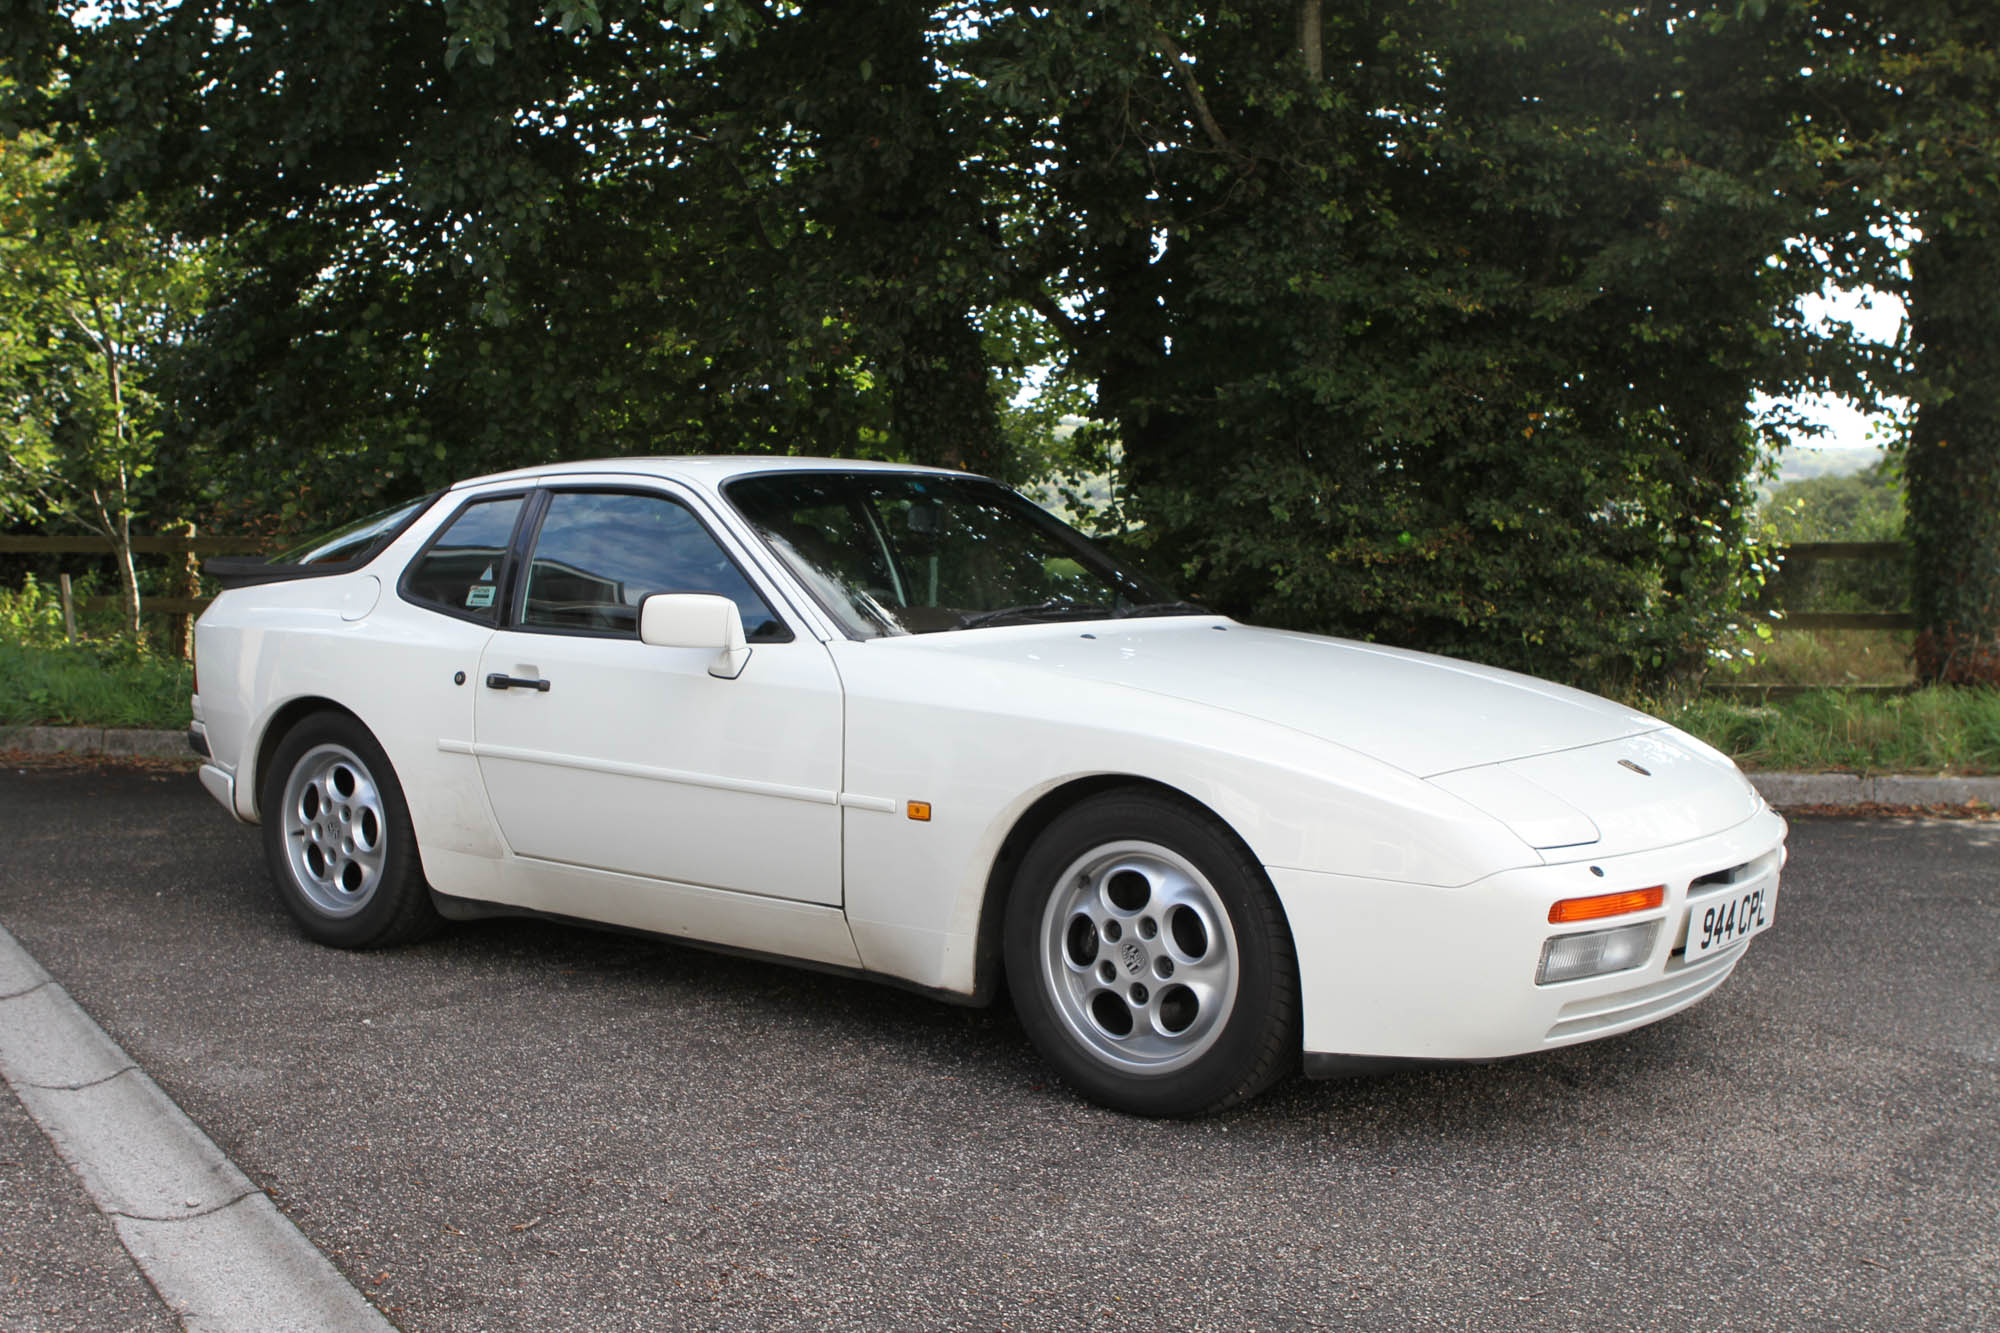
column 709, row 470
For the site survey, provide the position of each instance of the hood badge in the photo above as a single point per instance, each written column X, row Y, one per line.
column 1642, row 772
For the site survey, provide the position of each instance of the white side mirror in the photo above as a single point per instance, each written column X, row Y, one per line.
column 696, row 620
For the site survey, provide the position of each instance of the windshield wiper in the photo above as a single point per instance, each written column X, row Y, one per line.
column 1056, row 608
column 1166, row 609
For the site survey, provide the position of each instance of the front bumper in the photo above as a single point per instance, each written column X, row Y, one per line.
column 1393, row 971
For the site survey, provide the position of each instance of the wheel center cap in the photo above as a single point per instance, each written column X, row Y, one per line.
column 1133, row 956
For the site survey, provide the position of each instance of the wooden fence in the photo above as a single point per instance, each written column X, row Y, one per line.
column 152, row 545
column 169, row 545
column 1807, row 553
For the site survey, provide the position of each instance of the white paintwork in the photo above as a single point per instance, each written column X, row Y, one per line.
column 1687, row 790
column 687, row 911
column 219, row 784
column 394, row 669
column 696, row 620
column 638, row 760
column 1420, row 713
column 359, row 596
column 1542, row 819
column 1417, row 816
column 982, row 735
column 1447, row 973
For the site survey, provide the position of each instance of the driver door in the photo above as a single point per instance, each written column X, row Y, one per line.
column 607, row 754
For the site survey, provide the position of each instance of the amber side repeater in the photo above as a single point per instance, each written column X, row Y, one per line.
column 1607, row 904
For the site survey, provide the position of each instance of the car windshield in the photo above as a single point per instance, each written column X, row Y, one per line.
column 902, row 553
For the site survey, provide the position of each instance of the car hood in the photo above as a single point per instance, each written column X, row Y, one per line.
column 1422, row 714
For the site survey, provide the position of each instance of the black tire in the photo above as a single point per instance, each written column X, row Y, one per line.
column 1149, row 960
column 338, row 838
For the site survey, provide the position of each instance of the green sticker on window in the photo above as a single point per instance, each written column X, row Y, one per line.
column 480, row 595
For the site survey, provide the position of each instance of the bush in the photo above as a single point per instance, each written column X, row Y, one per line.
column 32, row 615
column 94, row 684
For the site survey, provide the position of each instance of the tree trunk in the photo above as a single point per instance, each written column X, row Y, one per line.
column 116, row 525
column 115, row 521
column 1952, row 469
column 943, row 409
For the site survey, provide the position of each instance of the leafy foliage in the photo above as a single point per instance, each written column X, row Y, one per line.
column 1431, row 322
column 1439, row 328
column 1858, row 507
column 1862, row 508
column 87, row 304
column 1953, row 459
column 1914, row 94
column 488, row 234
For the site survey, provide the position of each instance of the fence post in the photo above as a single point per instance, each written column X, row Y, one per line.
column 69, row 607
column 180, row 624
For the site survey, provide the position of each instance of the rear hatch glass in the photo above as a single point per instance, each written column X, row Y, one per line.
column 349, row 546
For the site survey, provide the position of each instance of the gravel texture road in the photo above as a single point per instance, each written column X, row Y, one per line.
column 527, row 1126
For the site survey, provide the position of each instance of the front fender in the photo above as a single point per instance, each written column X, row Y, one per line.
column 979, row 752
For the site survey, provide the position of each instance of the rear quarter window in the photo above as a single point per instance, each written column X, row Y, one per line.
column 463, row 570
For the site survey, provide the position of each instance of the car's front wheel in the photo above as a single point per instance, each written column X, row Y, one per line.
column 338, row 838
column 1149, row 960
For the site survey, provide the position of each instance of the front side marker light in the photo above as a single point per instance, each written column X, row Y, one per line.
column 1598, row 906
column 1595, row 953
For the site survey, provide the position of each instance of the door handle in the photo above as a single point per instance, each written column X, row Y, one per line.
column 501, row 681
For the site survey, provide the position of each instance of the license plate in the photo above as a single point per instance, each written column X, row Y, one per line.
column 1716, row 922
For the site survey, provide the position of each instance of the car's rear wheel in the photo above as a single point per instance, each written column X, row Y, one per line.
column 338, row 838
column 1149, row 960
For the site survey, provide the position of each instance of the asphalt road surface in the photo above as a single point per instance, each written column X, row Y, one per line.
column 523, row 1126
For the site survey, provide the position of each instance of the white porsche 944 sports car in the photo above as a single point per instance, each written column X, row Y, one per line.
column 903, row 722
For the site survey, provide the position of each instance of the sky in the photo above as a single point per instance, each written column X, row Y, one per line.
column 1875, row 316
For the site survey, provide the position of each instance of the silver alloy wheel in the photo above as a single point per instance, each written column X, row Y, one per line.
column 336, row 830
column 1139, row 956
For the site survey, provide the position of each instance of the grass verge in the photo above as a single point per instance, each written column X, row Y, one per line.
column 1831, row 657
column 92, row 685
column 1941, row 730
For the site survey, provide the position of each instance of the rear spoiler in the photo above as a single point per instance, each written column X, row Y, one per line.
column 246, row 571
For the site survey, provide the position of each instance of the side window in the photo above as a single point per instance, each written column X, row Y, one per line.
column 460, row 570
column 599, row 554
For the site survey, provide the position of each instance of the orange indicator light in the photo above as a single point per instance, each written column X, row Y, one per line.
column 1607, row 904
column 920, row 811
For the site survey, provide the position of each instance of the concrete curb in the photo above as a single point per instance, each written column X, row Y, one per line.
column 215, row 1248
column 120, row 741
column 1852, row 789
column 1780, row 789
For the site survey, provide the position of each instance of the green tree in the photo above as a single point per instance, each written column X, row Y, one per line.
column 1434, row 323
column 1426, row 321
column 1865, row 507
column 87, row 305
column 495, row 232
column 1953, row 457
column 1907, row 99
column 1862, row 507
